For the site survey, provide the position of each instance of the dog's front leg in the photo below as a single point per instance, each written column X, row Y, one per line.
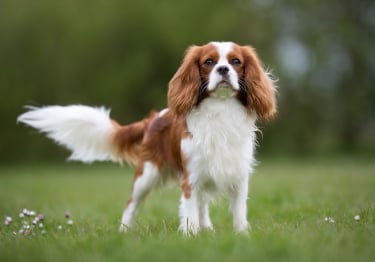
column 204, row 214
column 189, row 213
column 238, row 206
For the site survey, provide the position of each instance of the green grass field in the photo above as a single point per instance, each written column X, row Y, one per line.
column 288, row 203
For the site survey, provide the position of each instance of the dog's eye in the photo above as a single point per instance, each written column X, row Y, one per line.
column 209, row 62
column 235, row 61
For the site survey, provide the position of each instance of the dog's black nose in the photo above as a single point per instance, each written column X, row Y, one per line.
column 223, row 70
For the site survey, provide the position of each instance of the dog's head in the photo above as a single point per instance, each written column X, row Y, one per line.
column 222, row 70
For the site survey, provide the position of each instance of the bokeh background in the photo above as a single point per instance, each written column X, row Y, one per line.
column 122, row 53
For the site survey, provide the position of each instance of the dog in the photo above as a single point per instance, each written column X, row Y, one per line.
column 205, row 139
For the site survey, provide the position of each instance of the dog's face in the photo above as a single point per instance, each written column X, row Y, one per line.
column 219, row 67
column 222, row 70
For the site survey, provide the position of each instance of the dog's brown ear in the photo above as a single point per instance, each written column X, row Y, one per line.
column 261, row 89
column 183, row 88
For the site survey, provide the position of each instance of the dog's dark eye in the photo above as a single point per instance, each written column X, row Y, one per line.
column 209, row 62
column 235, row 61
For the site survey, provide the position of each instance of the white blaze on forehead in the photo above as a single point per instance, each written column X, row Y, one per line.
column 223, row 48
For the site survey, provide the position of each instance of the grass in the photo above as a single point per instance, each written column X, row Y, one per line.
column 288, row 203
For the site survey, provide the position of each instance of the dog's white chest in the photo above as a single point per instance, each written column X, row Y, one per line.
column 220, row 152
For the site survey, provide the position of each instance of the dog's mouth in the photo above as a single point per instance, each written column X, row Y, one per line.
column 223, row 90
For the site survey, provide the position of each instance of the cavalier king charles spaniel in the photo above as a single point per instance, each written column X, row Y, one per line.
column 205, row 139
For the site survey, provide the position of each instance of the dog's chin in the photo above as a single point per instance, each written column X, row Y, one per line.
column 223, row 91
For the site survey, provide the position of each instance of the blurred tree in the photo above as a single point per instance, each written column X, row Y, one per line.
column 122, row 54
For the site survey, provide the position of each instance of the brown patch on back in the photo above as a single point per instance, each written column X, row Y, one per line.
column 156, row 139
column 162, row 139
column 127, row 139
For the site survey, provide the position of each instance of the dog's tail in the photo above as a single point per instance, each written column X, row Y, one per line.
column 88, row 132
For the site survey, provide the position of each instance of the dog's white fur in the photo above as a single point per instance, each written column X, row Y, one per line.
column 220, row 155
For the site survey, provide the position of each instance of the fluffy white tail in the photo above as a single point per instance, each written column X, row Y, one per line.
column 86, row 131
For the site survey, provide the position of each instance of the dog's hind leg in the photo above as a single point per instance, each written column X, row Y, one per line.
column 146, row 178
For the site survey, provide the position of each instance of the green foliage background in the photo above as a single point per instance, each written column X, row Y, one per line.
column 122, row 54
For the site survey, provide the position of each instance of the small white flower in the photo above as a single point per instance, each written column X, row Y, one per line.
column 21, row 215
column 59, row 227
column 14, row 233
column 70, row 222
column 21, row 231
column 329, row 220
column 6, row 222
column 25, row 211
column 9, row 219
column 32, row 213
column 41, row 225
column 357, row 218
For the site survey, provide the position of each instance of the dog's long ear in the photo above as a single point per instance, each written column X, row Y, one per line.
column 184, row 87
column 260, row 87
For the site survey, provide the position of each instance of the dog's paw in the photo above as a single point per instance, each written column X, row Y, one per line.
column 243, row 228
column 123, row 228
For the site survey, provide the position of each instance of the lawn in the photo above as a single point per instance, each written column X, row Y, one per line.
column 289, row 201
